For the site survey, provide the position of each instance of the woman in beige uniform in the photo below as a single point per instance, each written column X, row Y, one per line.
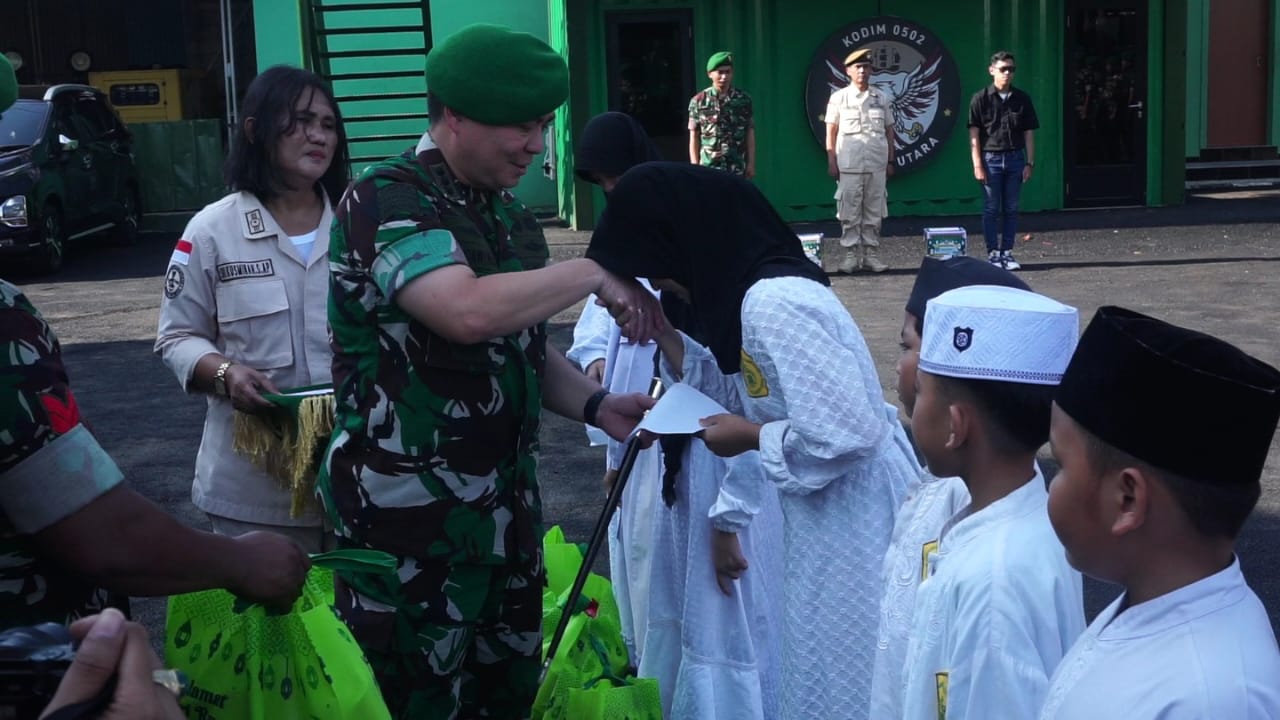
column 244, row 307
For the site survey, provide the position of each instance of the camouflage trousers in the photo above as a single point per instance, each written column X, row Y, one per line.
column 449, row 640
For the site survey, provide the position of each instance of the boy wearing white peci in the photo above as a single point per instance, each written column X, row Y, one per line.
column 1000, row 605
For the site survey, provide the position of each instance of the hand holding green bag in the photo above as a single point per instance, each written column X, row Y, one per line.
column 245, row 663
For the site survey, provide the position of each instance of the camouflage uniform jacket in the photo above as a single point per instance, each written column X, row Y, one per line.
column 50, row 467
column 435, row 448
column 722, row 122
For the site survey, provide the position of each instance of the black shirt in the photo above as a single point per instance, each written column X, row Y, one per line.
column 1001, row 123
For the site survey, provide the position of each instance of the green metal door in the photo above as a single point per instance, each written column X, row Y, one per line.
column 373, row 52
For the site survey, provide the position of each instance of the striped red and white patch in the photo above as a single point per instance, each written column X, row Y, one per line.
column 181, row 253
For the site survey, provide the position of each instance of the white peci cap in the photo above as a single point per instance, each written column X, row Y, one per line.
column 987, row 332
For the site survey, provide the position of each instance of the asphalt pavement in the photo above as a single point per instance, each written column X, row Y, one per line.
column 1212, row 264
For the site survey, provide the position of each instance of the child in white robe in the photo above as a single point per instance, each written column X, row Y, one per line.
column 631, row 530
column 1162, row 433
column 1000, row 604
column 710, row 640
column 609, row 145
column 783, row 355
column 931, row 501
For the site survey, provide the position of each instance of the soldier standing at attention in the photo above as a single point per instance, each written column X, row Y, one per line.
column 860, row 157
column 439, row 295
column 722, row 127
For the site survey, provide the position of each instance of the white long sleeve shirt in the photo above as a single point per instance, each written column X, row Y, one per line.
column 931, row 502
column 999, row 610
column 841, row 463
column 1203, row 651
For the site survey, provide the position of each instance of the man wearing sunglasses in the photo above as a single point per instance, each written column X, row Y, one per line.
column 1001, row 123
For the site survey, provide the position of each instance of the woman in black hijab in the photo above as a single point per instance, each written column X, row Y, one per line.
column 781, row 350
column 703, row 646
column 611, row 144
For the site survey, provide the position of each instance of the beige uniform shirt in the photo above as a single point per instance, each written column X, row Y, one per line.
column 862, row 145
column 236, row 285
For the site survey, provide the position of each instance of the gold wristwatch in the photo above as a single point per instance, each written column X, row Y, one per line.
column 220, row 380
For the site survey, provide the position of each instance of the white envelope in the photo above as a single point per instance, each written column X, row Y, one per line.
column 679, row 410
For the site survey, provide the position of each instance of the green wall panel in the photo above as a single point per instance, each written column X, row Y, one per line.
column 775, row 41
column 1197, row 87
column 179, row 164
column 1273, row 121
column 277, row 27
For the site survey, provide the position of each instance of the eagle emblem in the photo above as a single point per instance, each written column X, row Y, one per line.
column 912, row 73
column 912, row 95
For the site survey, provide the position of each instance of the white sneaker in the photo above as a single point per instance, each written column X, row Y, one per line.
column 851, row 262
column 995, row 257
column 1006, row 257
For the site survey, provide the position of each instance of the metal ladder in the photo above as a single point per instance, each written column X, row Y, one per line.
column 373, row 53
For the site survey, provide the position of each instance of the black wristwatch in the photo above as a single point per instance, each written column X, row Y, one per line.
column 592, row 407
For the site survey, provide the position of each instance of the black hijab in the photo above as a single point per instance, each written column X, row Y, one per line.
column 610, row 144
column 709, row 230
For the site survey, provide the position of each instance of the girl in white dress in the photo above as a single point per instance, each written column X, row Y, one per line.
column 709, row 637
column 779, row 348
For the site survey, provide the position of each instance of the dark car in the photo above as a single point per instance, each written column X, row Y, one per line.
column 66, row 172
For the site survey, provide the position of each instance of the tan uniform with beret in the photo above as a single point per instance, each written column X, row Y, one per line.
column 863, row 120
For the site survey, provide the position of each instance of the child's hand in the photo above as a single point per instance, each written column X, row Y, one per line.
column 728, row 435
column 595, row 370
column 726, row 553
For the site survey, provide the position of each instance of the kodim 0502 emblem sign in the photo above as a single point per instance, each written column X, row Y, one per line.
column 910, row 66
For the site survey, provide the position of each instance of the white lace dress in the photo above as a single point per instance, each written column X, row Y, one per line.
column 841, row 467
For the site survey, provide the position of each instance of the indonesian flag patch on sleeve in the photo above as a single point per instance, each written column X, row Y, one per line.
column 181, row 253
column 63, row 414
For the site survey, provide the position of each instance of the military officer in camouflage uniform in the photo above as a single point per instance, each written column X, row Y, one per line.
column 72, row 534
column 439, row 296
column 722, row 129
column 860, row 156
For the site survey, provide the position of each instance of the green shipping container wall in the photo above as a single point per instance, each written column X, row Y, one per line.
column 179, row 164
column 782, row 52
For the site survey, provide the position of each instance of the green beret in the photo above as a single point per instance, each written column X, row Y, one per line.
column 8, row 84
column 724, row 57
column 861, row 55
column 497, row 76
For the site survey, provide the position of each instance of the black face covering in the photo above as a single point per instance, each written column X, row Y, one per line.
column 711, row 231
column 610, row 144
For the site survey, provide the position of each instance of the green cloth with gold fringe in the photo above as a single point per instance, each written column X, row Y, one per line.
column 287, row 442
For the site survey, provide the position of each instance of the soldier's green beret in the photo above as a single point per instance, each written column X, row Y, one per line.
column 861, row 55
column 8, row 84
column 724, row 57
column 497, row 76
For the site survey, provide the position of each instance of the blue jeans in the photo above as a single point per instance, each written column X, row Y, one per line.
column 1002, row 188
